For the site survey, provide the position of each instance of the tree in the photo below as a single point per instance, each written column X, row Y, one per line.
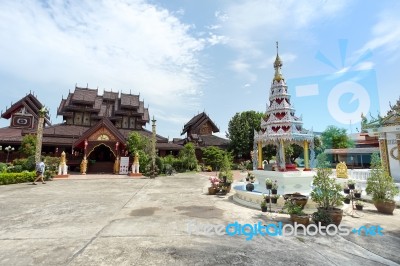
column 241, row 132
column 28, row 145
column 269, row 152
column 335, row 138
column 213, row 156
column 141, row 145
column 188, row 156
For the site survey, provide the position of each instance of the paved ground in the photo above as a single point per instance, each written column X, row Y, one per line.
column 122, row 221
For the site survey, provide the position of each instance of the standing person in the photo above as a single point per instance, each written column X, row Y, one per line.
column 40, row 168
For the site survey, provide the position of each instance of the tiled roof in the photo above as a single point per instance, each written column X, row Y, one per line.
column 84, row 95
column 197, row 121
column 129, row 100
column 109, row 95
column 212, row 140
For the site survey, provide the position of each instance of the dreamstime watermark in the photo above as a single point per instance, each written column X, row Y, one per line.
column 279, row 229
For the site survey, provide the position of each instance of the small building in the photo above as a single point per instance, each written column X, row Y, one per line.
column 199, row 130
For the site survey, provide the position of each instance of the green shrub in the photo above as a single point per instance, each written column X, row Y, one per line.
column 13, row 178
column 15, row 169
column 3, row 167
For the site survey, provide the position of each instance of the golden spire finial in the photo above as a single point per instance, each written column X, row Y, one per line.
column 277, row 65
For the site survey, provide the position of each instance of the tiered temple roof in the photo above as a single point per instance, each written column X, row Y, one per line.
column 280, row 121
column 85, row 107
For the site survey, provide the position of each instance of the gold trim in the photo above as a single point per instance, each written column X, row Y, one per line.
column 392, row 153
column 98, row 146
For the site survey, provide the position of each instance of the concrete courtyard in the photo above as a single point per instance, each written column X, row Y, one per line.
column 115, row 220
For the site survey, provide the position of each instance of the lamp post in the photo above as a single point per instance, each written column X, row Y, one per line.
column 8, row 149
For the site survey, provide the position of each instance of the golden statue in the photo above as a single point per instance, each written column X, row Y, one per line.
column 116, row 165
column 341, row 170
column 84, row 166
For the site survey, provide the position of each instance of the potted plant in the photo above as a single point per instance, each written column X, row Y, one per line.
column 224, row 190
column 321, row 217
column 346, row 188
column 326, row 192
column 274, row 189
column 263, row 205
column 359, row 205
column 347, row 199
column 214, row 188
column 297, row 198
column 268, row 183
column 274, row 198
column 351, row 184
column 296, row 213
column 381, row 186
column 357, row 193
column 266, row 198
column 251, row 177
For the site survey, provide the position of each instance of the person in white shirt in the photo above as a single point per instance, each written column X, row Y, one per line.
column 40, row 168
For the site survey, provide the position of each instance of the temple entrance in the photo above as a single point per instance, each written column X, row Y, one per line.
column 101, row 160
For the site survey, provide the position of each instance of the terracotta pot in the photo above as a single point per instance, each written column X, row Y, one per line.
column 386, row 207
column 335, row 214
column 302, row 219
column 212, row 191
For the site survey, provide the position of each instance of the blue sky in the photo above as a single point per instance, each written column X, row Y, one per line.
column 185, row 57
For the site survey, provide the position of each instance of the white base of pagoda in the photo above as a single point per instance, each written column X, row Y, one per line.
column 288, row 182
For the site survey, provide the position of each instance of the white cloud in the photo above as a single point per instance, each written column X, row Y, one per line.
column 215, row 39
column 123, row 45
column 250, row 24
column 385, row 34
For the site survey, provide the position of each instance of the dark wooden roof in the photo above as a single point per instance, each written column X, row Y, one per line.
column 107, row 105
column 212, row 140
column 32, row 105
column 197, row 121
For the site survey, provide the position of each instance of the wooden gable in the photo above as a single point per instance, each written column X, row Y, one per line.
column 24, row 113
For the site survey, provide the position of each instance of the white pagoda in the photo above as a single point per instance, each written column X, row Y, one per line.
column 280, row 126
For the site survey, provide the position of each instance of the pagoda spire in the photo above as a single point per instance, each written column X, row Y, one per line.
column 278, row 65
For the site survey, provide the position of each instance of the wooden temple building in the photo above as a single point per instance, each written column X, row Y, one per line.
column 199, row 131
column 93, row 124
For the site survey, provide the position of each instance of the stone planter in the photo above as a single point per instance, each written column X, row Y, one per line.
column 212, row 191
column 386, row 207
column 300, row 219
column 335, row 214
